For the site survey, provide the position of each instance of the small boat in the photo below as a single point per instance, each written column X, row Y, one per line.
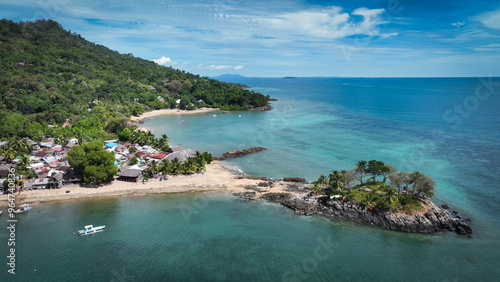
column 225, row 112
column 22, row 208
column 183, row 121
column 90, row 229
column 215, row 115
column 1, row 212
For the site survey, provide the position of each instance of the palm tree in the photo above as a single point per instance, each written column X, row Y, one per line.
column 190, row 165
column 369, row 199
column 337, row 179
column 322, row 180
column 9, row 153
column 176, row 165
column 24, row 162
column 392, row 199
column 153, row 166
column 316, row 188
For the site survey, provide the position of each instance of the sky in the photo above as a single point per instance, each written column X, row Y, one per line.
column 352, row 38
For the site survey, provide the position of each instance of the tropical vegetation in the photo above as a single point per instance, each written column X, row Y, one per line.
column 405, row 191
column 52, row 77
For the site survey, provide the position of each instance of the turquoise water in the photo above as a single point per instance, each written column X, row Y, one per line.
column 215, row 237
column 316, row 126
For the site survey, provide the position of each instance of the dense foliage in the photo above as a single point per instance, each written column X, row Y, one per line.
column 93, row 163
column 404, row 192
column 50, row 75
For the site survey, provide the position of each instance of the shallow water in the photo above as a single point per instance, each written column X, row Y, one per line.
column 316, row 126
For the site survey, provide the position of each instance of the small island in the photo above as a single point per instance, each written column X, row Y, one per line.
column 402, row 204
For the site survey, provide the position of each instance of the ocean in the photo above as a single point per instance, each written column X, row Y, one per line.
column 447, row 128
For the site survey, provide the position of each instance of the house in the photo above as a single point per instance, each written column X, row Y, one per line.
column 70, row 145
column 66, row 123
column 40, row 154
column 47, row 143
column 130, row 175
column 4, row 170
column 56, row 181
column 181, row 155
column 111, row 146
column 40, row 183
column 160, row 155
column 58, row 149
column 32, row 143
column 174, row 149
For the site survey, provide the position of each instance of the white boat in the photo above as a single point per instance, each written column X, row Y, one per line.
column 22, row 208
column 90, row 229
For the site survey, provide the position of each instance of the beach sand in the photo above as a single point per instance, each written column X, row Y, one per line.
column 215, row 179
column 167, row 112
column 171, row 112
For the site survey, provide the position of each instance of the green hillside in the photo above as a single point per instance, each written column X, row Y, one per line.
column 48, row 75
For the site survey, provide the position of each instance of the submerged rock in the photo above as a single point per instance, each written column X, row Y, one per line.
column 239, row 153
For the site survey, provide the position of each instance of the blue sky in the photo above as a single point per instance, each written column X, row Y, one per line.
column 392, row 38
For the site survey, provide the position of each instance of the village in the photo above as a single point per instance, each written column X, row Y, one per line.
column 47, row 165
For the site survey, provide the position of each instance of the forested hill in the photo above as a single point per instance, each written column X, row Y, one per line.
column 48, row 75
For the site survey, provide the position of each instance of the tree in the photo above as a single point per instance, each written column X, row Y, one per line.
column 423, row 185
column 376, row 168
column 316, row 188
column 337, row 179
column 134, row 161
column 360, row 171
column 386, row 171
column 95, row 165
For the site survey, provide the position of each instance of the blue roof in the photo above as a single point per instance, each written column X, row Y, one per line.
column 117, row 162
column 111, row 144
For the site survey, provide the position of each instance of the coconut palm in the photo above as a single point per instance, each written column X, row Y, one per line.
column 9, row 153
column 337, row 179
column 176, row 165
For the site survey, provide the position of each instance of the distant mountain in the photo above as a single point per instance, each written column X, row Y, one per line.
column 229, row 76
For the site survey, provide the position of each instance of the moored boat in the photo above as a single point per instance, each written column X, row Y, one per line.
column 90, row 229
column 22, row 208
column 183, row 121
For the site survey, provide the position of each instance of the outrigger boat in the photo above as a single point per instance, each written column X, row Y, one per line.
column 22, row 208
column 90, row 229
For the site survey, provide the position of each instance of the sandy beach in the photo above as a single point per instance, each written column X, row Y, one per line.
column 171, row 112
column 215, row 179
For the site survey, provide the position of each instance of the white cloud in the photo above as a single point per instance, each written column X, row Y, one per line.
column 490, row 19
column 164, row 61
column 488, row 48
column 458, row 24
column 220, row 67
column 330, row 22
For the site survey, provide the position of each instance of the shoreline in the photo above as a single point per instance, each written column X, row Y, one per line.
column 215, row 179
column 171, row 112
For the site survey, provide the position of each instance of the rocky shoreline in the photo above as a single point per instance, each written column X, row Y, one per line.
column 432, row 220
column 239, row 153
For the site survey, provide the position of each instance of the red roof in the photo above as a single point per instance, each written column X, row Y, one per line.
column 40, row 154
column 127, row 144
column 140, row 154
column 58, row 149
column 63, row 168
column 53, row 164
column 159, row 156
column 42, row 170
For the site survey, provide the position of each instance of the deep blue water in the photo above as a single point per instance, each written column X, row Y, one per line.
column 446, row 128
